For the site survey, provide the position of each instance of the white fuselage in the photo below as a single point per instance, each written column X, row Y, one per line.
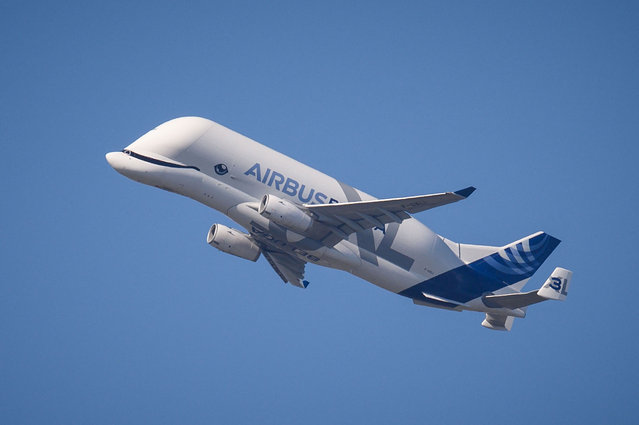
column 285, row 207
column 229, row 172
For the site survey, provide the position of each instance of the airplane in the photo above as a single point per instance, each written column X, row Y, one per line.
column 293, row 215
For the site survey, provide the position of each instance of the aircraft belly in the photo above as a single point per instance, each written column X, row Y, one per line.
column 386, row 275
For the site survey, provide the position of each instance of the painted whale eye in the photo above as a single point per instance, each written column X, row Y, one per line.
column 221, row 169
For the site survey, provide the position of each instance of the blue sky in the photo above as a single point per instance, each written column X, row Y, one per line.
column 113, row 310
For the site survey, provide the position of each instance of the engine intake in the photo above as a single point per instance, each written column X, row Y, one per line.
column 285, row 214
column 233, row 242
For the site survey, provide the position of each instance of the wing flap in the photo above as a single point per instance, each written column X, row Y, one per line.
column 289, row 268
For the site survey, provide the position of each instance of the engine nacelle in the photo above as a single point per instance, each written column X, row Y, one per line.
column 233, row 242
column 285, row 214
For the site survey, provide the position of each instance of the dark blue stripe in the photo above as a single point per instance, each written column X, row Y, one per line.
column 471, row 281
column 461, row 284
column 157, row 161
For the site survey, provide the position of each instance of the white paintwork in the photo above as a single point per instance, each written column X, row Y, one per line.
column 556, row 286
column 285, row 214
column 317, row 220
column 233, row 242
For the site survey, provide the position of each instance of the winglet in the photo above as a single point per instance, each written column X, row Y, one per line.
column 466, row 192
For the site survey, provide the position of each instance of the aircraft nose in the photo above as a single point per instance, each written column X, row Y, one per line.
column 172, row 138
column 117, row 161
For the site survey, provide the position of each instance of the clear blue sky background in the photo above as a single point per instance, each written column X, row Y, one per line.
column 113, row 310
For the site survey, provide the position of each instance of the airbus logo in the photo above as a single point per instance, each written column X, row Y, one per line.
column 288, row 186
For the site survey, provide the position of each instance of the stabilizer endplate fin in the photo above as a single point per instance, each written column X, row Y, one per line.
column 556, row 286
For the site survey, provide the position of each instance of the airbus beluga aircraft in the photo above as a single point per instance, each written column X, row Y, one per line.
column 294, row 215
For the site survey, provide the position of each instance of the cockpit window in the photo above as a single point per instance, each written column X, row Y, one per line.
column 157, row 161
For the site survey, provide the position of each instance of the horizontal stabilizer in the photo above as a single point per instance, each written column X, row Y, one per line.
column 513, row 301
column 555, row 288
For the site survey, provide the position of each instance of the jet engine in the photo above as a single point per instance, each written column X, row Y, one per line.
column 233, row 242
column 285, row 214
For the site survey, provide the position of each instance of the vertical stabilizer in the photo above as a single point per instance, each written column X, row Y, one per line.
column 517, row 261
column 556, row 286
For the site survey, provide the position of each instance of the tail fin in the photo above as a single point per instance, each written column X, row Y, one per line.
column 518, row 260
column 556, row 286
column 486, row 270
column 513, row 265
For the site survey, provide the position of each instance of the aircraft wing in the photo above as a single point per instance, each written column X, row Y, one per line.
column 351, row 217
column 289, row 268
